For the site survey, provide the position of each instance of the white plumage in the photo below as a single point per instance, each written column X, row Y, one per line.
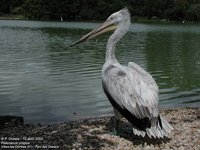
column 131, row 90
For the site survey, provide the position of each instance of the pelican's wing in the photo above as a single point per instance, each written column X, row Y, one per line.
column 144, row 84
column 143, row 73
column 132, row 90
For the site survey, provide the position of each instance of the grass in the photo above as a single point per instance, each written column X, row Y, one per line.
column 12, row 17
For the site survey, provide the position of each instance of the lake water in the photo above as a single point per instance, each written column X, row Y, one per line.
column 45, row 82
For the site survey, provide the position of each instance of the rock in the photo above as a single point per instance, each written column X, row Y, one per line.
column 11, row 120
column 97, row 133
column 181, row 148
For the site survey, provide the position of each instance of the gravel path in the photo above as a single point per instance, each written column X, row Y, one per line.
column 98, row 134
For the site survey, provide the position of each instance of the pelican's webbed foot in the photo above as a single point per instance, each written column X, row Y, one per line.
column 122, row 127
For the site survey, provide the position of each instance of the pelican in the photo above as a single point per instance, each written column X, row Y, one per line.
column 131, row 90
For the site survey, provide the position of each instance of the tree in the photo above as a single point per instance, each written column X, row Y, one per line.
column 100, row 9
column 194, row 13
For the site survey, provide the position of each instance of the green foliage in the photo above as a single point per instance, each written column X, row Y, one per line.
column 5, row 6
column 194, row 12
column 100, row 9
column 17, row 11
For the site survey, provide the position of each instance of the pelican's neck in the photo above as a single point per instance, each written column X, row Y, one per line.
column 121, row 30
column 110, row 48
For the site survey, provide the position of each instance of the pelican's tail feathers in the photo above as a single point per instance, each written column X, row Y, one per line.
column 139, row 132
column 156, row 131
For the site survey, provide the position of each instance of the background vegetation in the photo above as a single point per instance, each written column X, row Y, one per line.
column 177, row 10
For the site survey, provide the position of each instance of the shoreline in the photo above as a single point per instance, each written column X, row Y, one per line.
column 136, row 20
column 97, row 133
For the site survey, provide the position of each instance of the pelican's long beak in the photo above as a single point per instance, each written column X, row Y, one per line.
column 105, row 27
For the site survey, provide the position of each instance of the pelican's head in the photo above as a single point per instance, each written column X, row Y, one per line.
column 121, row 17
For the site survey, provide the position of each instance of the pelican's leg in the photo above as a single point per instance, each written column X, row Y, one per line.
column 117, row 120
column 119, row 126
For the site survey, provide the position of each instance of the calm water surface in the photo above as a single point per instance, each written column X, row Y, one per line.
column 45, row 82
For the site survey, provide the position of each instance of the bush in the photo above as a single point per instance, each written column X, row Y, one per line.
column 17, row 11
column 194, row 13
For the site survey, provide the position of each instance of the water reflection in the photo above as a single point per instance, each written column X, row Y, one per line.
column 45, row 82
